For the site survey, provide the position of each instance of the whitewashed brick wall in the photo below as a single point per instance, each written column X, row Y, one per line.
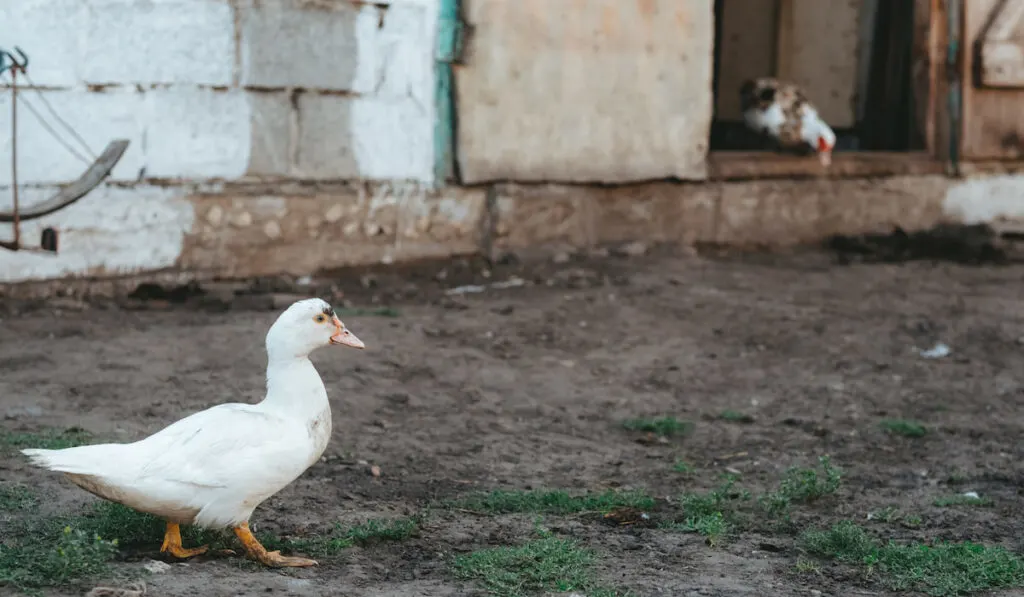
column 213, row 90
column 170, row 76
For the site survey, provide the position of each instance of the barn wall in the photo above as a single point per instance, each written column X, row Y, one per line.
column 246, row 161
column 209, row 91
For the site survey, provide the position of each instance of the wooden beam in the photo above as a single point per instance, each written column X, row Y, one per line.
column 743, row 165
column 74, row 191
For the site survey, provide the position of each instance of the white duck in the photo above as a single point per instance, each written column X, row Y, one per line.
column 783, row 112
column 213, row 468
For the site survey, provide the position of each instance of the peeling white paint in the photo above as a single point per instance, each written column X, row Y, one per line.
column 115, row 231
column 986, row 199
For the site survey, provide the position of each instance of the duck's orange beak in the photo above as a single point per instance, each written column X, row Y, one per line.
column 344, row 337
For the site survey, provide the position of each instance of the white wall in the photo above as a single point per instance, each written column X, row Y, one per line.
column 209, row 90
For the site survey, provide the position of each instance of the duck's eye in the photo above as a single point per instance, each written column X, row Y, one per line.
column 320, row 318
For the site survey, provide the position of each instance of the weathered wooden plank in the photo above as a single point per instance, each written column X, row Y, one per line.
column 585, row 90
column 993, row 122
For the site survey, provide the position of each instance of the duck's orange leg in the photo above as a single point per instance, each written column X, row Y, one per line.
column 256, row 551
column 172, row 543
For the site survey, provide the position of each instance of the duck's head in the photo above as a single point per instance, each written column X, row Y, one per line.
column 306, row 326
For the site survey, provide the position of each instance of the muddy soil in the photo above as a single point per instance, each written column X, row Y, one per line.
column 527, row 387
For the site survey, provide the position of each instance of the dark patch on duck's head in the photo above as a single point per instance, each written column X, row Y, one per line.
column 329, row 311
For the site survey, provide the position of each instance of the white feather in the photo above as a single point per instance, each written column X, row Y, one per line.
column 770, row 120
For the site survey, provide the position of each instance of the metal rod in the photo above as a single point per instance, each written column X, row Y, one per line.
column 14, row 157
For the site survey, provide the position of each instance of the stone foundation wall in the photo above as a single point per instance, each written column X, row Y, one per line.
column 298, row 228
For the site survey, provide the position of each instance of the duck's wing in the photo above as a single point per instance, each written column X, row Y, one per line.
column 221, row 447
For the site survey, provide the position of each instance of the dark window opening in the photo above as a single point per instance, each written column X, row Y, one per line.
column 852, row 58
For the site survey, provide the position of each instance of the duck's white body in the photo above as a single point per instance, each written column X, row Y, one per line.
column 215, row 467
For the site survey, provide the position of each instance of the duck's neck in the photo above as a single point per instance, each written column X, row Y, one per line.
column 294, row 388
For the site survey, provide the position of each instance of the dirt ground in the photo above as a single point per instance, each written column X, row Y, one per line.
column 527, row 387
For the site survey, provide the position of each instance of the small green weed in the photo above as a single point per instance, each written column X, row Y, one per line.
column 961, row 500
column 16, row 497
column 341, row 538
column 553, row 502
column 912, row 522
column 888, row 514
column 714, row 501
column 662, row 426
column 547, row 564
column 53, row 559
column 904, row 427
column 682, row 467
column 708, row 513
column 735, row 417
column 50, row 439
column 803, row 485
column 941, row 569
column 956, row 477
column 712, row 526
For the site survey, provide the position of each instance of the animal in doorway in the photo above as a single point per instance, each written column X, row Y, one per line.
column 783, row 113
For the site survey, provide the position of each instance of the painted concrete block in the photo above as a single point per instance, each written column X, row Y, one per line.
column 325, row 138
column 345, row 137
column 97, row 117
column 109, row 232
column 170, row 41
column 314, row 48
column 196, row 133
column 404, row 47
column 49, row 32
column 270, row 134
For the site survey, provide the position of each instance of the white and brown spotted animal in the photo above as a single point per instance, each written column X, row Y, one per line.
column 782, row 112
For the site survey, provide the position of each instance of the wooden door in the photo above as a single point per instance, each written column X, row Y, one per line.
column 993, row 75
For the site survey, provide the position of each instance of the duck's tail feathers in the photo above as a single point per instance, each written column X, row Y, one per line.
column 81, row 460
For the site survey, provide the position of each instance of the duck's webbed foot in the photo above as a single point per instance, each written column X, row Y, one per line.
column 256, row 551
column 172, row 544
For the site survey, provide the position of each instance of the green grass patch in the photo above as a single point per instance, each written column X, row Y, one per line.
column 59, row 550
column 50, row 439
column 961, row 500
column 709, row 514
column 904, row 427
column 129, row 527
column 548, row 564
column 661, row 426
column 803, row 485
column 53, row 560
column 341, row 538
column 682, row 467
column 735, row 417
column 553, row 502
column 940, row 569
column 16, row 497
column 713, row 526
